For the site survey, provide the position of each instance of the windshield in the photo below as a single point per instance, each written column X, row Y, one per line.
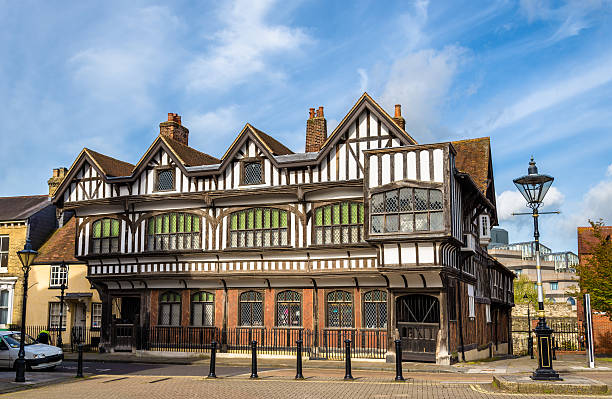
column 13, row 340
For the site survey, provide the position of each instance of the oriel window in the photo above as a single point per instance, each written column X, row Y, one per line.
column 407, row 210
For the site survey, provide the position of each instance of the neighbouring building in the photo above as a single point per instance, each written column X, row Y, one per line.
column 498, row 237
column 21, row 218
column 82, row 311
column 367, row 235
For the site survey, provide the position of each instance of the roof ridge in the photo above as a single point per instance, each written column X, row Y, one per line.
column 26, row 196
column 107, row 156
column 188, row 148
column 266, row 137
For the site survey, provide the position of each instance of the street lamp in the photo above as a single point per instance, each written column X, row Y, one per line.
column 64, row 277
column 529, row 340
column 534, row 187
column 26, row 256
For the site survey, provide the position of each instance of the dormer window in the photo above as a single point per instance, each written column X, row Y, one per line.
column 165, row 180
column 252, row 172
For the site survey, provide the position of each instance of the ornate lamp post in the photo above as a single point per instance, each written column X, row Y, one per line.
column 26, row 256
column 534, row 187
column 64, row 274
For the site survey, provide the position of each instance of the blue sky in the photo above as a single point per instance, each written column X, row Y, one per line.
column 535, row 76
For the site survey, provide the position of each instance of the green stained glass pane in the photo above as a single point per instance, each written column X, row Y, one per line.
column 196, row 223
column 337, row 214
column 151, row 226
column 274, row 218
column 234, row 221
column 97, row 229
column 354, row 213
column 361, row 213
column 318, row 217
column 173, row 223
column 115, row 228
column 258, row 218
column 158, row 225
column 345, row 213
column 242, row 221
column 166, row 226
column 250, row 219
column 181, row 223
column 283, row 218
column 266, row 221
column 327, row 215
column 188, row 228
column 105, row 227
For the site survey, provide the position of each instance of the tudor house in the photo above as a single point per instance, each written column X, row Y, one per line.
column 366, row 230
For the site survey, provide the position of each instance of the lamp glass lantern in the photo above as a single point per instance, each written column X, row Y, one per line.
column 533, row 186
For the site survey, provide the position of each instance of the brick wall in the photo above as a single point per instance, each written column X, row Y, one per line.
column 17, row 237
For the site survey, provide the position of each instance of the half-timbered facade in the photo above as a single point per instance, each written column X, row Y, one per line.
column 366, row 231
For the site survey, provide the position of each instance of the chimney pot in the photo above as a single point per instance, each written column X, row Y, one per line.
column 401, row 122
column 174, row 130
column 312, row 113
column 316, row 130
column 320, row 114
column 398, row 110
column 56, row 179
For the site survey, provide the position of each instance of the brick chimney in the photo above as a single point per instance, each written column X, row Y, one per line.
column 56, row 179
column 316, row 130
column 398, row 117
column 174, row 130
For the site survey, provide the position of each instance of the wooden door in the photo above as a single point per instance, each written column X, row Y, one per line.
column 418, row 322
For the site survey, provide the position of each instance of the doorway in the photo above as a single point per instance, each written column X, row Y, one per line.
column 418, row 322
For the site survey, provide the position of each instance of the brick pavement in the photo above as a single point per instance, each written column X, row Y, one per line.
column 273, row 384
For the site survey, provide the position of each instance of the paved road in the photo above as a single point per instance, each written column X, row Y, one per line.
column 146, row 369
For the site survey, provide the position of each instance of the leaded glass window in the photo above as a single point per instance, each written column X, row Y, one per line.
column 258, row 227
column 173, row 231
column 105, row 236
column 251, row 309
column 252, row 173
column 340, row 223
column 375, row 309
column 202, row 309
column 170, row 309
column 165, row 180
column 288, row 309
column 339, row 309
column 407, row 210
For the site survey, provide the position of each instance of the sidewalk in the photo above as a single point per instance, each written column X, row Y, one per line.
column 33, row 380
column 565, row 363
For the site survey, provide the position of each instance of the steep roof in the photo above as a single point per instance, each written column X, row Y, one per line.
column 188, row 155
column 274, row 146
column 473, row 158
column 20, row 208
column 60, row 246
column 110, row 166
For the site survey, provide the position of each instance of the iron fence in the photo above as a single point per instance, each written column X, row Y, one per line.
column 568, row 335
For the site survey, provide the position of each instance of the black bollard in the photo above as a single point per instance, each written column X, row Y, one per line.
column 79, row 373
column 398, row 361
column 213, row 359
column 347, row 371
column 298, row 375
column 530, row 346
column 254, row 360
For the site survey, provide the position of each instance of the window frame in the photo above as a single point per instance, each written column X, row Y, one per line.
column 398, row 187
column 58, row 286
column 49, row 322
column 101, row 238
column 193, row 303
column 263, row 309
column 6, row 307
column 378, row 305
column 360, row 225
column 230, row 230
column 5, row 254
column 180, row 309
column 193, row 233
column 92, row 315
column 159, row 170
column 554, row 284
column 278, row 302
column 327, row 310
column 471, row 301
column 248, row 160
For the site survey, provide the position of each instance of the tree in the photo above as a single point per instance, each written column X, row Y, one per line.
column 522, row 286
column 596, row 272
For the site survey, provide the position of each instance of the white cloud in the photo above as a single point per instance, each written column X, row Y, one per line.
column 421, row 82
column 510, row 202
column 609, row 170
column 206, row 128
column 548, row 96
column 363, row 80
column 121, row 66
column 243, row 46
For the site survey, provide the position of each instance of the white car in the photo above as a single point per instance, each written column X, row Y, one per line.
column 37, row 356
